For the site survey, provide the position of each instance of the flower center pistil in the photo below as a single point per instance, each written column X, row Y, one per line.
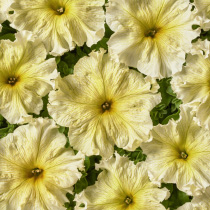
column 60, row 10
column 151, row 33
column 36, row 172
column 12, row 80
column 184, row 155
column 106, row 106
column 128, row 200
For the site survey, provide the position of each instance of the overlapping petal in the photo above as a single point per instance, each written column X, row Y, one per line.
column 192, row 85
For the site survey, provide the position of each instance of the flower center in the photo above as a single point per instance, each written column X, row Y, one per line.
column 106, row 106
column 12, row 80
column 60, row 10
column 128, row 200
column 151, row 33
column 184, row 155
column 36, row 172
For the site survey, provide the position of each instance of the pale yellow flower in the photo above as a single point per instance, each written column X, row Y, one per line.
column 36, row 169
column 192, row 86
column 122, row 186
column 151, row 35
column 104, row 103
column 179, row 153
column 25, row 77
column 61, row 24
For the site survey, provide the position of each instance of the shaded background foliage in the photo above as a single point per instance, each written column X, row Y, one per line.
column 162, row 113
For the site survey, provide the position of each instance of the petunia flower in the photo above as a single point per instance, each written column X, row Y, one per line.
column 36, row 169
column 151, row 35
column 122, row 185
column 104, row 103
column 25, row 77
column 179, row 153
column 61, row 24
column 192, row 86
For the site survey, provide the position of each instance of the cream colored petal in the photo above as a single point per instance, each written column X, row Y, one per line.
column 192, row 83
column 61, row 24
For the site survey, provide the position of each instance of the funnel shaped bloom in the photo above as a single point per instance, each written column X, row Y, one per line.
column 61, row 24
column 122, row 185
column 192, row 86
column 25, row 77
column 104, row 103
column 179, row 153
column 36, row 170
column 151, row 35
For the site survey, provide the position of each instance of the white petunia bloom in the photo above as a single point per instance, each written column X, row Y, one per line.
column 104, row 103
column 179, row 153
column 192, row 86
column 122, row 186
column 25, row 77
column 151, row 35
column 61, row 24
column 36, row 170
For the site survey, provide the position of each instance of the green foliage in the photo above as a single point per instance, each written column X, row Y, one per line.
column 136, row 156
column 169, row 106
column 7, row 32
column 5, row 127
column 177, row 197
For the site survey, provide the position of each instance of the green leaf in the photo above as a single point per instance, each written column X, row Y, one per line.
column 80, row 185
column 174, row 116
column 100, row 44
column 9, row 36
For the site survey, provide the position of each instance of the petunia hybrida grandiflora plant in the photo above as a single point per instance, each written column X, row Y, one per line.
column 25, row 77
column 180, row 153
column 104, row 103
column 122, row 186
column 200, row 202
column 61, row 24
column 36, row 169
column 192, row 86
column 151, row 35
